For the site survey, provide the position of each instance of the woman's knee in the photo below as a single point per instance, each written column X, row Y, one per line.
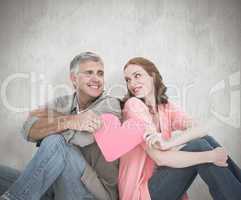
column 197, row 145
column 211, row 141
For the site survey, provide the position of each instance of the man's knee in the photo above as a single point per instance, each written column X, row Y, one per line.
column 54, row 145
column 197, row 145
column 53, row 140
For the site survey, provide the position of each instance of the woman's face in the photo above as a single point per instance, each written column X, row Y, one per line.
column 139, row 82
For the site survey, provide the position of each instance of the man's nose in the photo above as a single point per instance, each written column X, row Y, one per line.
column 95, row 78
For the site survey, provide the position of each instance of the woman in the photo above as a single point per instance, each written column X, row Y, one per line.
column 163, row 167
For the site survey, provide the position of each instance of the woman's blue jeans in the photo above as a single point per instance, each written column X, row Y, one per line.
column 224, row 183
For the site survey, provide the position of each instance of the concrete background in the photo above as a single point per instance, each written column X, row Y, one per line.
column 194, row 43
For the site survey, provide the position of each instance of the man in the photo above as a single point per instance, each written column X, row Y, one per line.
column 69, row 163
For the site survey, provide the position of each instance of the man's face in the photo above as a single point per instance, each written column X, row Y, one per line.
column 89, row 82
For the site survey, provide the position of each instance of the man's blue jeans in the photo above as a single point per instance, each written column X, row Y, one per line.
column 7, row 177
column 171, row 183
column 53, row 173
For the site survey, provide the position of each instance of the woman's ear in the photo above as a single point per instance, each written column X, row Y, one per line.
column 153, row 75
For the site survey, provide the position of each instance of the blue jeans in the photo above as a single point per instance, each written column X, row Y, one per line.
column 53, row 173
column 171, row 183
column 7, row 177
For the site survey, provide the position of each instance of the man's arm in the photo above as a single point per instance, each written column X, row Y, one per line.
column 46, row 124
column 50, row 122
column 107, row 104
column 46, row 121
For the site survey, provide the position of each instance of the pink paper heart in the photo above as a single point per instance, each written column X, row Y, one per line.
column 115, row 139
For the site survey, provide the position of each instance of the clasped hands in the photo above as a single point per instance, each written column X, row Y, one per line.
column 86, row 121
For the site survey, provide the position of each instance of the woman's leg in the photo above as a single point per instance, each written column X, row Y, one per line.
column 221, row 182
column 170, row 183
column 233, row 167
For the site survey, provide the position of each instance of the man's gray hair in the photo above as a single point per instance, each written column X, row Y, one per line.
column 83, row 57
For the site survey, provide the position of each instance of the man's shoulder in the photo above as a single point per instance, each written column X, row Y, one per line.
column 111, row 98
column 65, row 98
column 107, row 98
column 62, row 103
column 107, row 104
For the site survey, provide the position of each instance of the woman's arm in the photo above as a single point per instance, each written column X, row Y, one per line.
column 156, row 140
column 134, row 108
column 186, row 136
column 181, row 159
column 181, row 121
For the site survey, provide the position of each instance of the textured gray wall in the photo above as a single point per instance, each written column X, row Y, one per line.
column 194, row 43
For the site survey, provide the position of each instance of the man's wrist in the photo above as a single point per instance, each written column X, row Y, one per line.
column 65, row 122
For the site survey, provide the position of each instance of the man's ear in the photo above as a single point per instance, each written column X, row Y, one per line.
column 73, row 78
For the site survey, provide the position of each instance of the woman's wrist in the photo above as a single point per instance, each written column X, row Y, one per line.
column 166, row 144
column 210, row 156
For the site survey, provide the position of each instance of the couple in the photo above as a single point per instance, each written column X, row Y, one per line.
column 69, row 164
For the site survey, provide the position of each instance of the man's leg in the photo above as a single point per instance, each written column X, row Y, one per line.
column 233, row 167
column 68, row 185
column 41, row 172
column 178, row 180
column 7, row 177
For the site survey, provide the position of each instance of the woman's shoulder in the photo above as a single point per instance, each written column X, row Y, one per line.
column 169, row 106
column 135, row 103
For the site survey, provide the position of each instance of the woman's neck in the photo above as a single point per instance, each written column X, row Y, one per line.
column 150, row 101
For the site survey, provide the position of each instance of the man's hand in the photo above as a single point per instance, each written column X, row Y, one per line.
column 87, row 121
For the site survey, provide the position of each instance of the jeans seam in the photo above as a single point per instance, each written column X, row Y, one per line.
column 8, row 196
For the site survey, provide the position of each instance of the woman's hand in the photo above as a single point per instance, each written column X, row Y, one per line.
column 155, row 140
column 219, row 157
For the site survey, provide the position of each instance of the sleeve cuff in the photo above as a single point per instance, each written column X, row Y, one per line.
column 27, row 126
